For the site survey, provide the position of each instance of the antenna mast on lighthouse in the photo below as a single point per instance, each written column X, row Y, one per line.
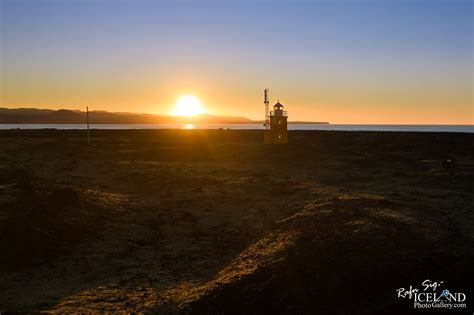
column 267, row 108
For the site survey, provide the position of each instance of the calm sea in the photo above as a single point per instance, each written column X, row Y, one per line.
column 406, row 128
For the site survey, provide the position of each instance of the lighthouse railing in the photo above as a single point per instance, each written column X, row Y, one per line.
column 283, row 113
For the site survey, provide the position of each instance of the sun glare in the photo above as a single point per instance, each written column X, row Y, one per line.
column 188, row 105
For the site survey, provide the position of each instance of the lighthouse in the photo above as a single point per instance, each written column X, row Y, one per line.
column 276, row 122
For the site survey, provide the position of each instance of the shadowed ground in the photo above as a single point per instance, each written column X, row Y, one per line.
column 213, row 221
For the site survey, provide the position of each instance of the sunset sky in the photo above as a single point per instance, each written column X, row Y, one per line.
column 370, row 61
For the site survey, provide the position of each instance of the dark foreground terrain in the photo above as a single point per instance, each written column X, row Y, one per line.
column 213, row 221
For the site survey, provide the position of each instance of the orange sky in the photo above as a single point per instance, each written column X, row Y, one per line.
column 345, row 104
column 360, row 63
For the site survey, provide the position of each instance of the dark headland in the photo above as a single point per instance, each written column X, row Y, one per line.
column 215, row 222
column 66, row 116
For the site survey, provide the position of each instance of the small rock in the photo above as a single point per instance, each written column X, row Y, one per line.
column 65, row 196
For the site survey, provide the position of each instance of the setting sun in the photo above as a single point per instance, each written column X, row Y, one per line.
column 188, row 105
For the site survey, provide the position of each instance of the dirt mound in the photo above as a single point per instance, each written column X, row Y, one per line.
column 346, row 255
column 44, row 222
column 63, row 197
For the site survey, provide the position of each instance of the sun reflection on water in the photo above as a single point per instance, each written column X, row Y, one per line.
column 189, row 126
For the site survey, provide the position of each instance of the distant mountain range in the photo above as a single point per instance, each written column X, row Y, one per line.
column 64, row 116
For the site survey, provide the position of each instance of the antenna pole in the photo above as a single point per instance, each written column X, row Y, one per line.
column 88, row 134
column 267, row 107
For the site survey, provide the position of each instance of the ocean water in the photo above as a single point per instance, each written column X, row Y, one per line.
column 405, row 128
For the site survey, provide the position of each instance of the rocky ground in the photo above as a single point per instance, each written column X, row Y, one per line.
column 214, row 221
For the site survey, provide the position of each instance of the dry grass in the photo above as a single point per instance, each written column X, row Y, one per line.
column 214, row 221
